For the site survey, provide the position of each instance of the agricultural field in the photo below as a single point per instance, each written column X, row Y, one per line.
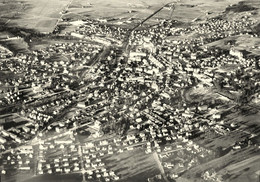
column 247, row 167
column 40, row 15
column 133, row 165
column 43, row 16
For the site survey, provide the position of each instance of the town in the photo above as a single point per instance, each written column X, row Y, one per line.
column 168, row 96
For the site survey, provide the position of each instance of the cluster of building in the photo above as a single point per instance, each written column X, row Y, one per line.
column 98, row 29
column 5, row 53
column 22, row 159
column 141, row 92
column 211, row 175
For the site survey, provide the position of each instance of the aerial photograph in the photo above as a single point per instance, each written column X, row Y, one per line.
column 130, row 90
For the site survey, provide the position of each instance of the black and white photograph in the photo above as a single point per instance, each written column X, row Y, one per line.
column 129, row 90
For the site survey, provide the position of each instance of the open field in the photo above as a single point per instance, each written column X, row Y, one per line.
column 246, row 169
column 246, row 42
column 235, row 163
column 133, row 165
column 43, row 15
column 37, row 15
column 53, row 178
column 185, row 10
column 16, row 45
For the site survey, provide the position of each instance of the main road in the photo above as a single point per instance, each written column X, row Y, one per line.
column 126, row 42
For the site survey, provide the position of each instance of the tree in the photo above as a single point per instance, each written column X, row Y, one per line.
column 219, row 152
column 257, row 65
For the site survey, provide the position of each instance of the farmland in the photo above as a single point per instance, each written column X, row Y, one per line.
column 43, row 16
column 40, row 15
